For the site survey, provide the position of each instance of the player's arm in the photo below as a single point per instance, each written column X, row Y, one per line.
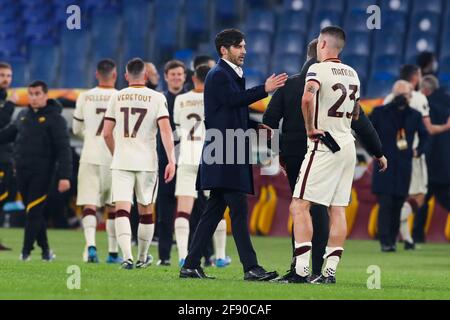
column 311, row 88
column 423, row 140
column 167, row 139
column 61, row 141
column 434, row 129
column 78, row 119
column 108, row 130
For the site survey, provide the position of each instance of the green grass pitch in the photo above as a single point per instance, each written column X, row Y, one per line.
column 422, row 274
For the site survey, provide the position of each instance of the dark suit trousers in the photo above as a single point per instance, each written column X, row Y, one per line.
column 197, row 211
column 389, row 218
column 442, row 194
column 319, row 215
column 215, row 208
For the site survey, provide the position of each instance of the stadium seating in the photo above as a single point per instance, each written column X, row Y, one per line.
column 290, row 42
column 427, row 6
column 298, row 5
column 44, row 59
column 257, row 61
column 395, row 5
column 294, row 21
column 259, row 42
column 287, row 62
column 335, row 5
column 261, row 20
column 426, row 22
column 226, row 12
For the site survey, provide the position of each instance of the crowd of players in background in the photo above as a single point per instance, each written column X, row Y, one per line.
column 176, row 200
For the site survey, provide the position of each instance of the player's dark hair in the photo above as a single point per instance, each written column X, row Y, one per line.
column 407, row 71
column 312, row 49
column 5, row 65
column 37, row 84
column 105, row 67
column 199, row 60
column 334, row 31
column 201, row 72
column 173, row 64
column 425, row 59
column 228, row 38
column 135, row 66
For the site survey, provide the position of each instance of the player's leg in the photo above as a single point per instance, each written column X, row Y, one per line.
column 88, row 196
column 184, row 209
column 122, row 190
column 145, row 189
column 220, row 241
column 303, row 231
column 321, row 222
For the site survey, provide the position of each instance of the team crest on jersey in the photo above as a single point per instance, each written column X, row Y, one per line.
column 42, row 119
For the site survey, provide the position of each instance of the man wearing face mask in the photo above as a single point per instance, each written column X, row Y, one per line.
column 419, row 179
column 397, row 125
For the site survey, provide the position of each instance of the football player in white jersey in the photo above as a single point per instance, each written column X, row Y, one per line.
column 419, row 175
column 131, row 124
column 94, row 174
column 329, row 103
column 188, row 118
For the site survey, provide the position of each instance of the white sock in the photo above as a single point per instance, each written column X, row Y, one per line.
column 404, row 226
column 220, row 239
column 332, row 257
column 182, row 236
column 89, row 227
column 302, row 259
column 111, row 232
column 123, row 232
column 145, row 236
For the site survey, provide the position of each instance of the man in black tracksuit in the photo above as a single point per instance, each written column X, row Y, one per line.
column 286, row 104
column 41, row 142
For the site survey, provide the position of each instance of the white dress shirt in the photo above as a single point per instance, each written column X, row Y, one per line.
column 236, row 68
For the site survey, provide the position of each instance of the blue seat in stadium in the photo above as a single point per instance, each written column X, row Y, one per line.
column 327, row 5
column 253, row 78
column 186, row 56
column 444, row 81
column 261, row 19
column 94, row 4
column 34, row 3
column 359, row 5
column 39, row 14
column 298, row 5
column 290, row 42
column 427, row 6
column 358, row 62
column 10, row 47
column 426, row 22
column 137, row 17
column 323, row 19
column 20, row 67
column 445, row 48
column 40, row 30
column 258, row 42
column 7, row 3
column 387, row 64
column 197, row 26
column 444, row 65
column 74, row 44
column 394, row 21
column 44, row 62
column 358, row 43
column 257, row 3
column 395, row 5
column 294, row 21
column 8, row 29
column 379, row 87
column 227, row 12
column 257, row 61
column 289, row 63
column 388, row 43
column 9, row 14
column 419, row 42
column 168, row 4
column 106, row 31
column 356, row 21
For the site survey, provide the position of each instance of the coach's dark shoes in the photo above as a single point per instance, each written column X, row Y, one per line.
column 48, row 255
column 196, row 273
column 388, row 248
column 324, row 280
column 260, row 274
column 410, row 245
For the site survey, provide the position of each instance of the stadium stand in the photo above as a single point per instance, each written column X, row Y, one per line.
column 159, row 30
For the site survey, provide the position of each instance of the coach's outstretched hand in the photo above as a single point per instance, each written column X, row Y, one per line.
column 63, row 185
column 170, row 172
column 274, row 82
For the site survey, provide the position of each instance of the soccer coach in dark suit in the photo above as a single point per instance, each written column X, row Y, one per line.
column 226, row 108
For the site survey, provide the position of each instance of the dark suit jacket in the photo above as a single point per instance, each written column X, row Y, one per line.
column 226, row 107
column 396, row 179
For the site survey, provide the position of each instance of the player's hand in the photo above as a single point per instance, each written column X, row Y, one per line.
column 415, row 153
column 14, row 96
column 274, row 82
column 63, row 185
column 263, row 126
column 315, row 134
column 382, row 163
column 170, row 172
